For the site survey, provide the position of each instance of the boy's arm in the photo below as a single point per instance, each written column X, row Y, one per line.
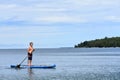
column 33, row 50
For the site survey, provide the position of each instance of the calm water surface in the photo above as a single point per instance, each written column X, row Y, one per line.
column 72, row 64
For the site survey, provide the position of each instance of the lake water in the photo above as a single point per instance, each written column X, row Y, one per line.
column 71, row 64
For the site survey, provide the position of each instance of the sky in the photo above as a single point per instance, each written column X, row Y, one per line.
column 57, row 23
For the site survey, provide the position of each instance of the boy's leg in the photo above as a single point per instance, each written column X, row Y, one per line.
column 30, row 62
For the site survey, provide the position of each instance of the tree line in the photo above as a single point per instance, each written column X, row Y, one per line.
column 105, row 42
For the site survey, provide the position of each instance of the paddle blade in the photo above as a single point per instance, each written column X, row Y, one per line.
column 18, row 66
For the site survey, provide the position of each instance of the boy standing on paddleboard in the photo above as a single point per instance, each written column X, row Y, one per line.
column 30, row 53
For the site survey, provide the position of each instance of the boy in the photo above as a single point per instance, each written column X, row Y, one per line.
column 30, row 52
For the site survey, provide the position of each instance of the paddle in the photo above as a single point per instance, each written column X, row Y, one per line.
column 18, row 66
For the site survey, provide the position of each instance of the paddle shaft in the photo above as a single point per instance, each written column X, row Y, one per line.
column 23, row 60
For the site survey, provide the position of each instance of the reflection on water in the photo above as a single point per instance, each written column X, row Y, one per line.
column 30, row 74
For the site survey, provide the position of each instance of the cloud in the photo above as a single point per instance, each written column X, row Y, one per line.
column 27, row 32
column 20, row 13
column 64, row 19
column 113, row 18
column 7, row 6
column 69, row 11
column 94, row 2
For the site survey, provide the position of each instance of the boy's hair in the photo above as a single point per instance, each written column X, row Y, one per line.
column 31, row 43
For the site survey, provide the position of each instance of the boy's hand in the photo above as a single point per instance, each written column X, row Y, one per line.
column 33, row 49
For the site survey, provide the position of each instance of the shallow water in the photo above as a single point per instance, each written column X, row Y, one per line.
column 72, row 64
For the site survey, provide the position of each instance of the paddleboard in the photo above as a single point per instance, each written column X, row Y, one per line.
column 35, row 66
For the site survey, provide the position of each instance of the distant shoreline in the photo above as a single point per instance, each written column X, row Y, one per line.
column 106, row 42
column 63, row 48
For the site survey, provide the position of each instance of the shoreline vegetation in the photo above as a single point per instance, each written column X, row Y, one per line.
column 100, row 43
